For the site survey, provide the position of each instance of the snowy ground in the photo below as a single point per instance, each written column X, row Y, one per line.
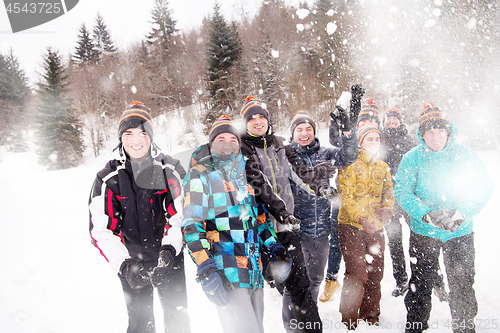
column 54, row 280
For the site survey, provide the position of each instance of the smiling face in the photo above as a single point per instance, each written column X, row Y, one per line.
column 136, row 144
column 303, row 134
column 225, row 144
column 257, row 125
column 392, row 122
column 436, row 138
column 371, row 142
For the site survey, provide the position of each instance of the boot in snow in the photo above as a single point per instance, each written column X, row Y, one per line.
column 331, row 288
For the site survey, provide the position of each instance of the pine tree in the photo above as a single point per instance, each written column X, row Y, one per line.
column 161, row 76
column 163, row 25
column 85, row 51
column 275, row 60
column 223, row 53
column 14, row 96
column 101, row 38
column 269, row 78
column 59, row 134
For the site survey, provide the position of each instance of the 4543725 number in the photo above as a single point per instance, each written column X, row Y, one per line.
column 35, row 7
column 481, row 324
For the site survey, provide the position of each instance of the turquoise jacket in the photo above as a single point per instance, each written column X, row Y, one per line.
column 453, row 178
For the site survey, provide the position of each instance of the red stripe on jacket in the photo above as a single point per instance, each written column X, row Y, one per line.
column 174, row 187
column 110, row 211
column 100, row 251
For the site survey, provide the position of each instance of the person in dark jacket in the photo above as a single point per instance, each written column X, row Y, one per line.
column 268, row 171
column 224, row 230
column 395, row 135
column 318, row 216
column 442, row 185
column 135, row 223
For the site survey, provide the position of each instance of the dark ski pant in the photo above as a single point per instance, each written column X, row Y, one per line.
column 459, row 258
column 364, row 269
column 394, row 232
column 334, row 253
column 315, row 256
column 173, row 299
column 297, row 293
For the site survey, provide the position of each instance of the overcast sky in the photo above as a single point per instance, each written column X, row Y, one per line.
column 127, row 21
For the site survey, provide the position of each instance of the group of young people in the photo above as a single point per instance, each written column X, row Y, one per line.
column 252, row 208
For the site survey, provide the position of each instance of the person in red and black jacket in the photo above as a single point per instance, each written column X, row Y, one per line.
column 135, row 222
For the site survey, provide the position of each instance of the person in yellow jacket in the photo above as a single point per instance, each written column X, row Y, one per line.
column 365, row 191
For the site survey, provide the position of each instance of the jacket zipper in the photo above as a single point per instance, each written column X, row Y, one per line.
column 310, row 164
column 275, row 187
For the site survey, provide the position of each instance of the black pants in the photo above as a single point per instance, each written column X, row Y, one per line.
column 173, row 299
column 297, row 286
column 394, row 233
column 459, row 258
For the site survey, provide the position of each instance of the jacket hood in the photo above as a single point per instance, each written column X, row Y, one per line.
column 451, row 140
column 203, row 156
column 199, row 155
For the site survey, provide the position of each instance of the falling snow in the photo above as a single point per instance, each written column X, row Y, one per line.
column 50, row 258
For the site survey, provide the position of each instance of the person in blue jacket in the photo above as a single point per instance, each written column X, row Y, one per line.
column 442, row 185
column 318, row 215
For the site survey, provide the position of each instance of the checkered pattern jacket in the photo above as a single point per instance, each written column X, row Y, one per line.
column 223, row 221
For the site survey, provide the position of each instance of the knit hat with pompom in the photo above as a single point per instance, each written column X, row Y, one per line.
column 223, row 124
column 432, row 117
column 364, row 130
column 392, row 112
column 369, row 112
column 252, row 107
column 302, row 117
column 136, row 115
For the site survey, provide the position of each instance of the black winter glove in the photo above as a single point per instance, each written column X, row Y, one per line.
column 334, row 127
column 328, row 192
column 341, row 119
column 287, row 218
column 357, row 92
column 165, row 264
column 134, row 273
column 325, row 170
column 446, row 219
column 281, row 263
